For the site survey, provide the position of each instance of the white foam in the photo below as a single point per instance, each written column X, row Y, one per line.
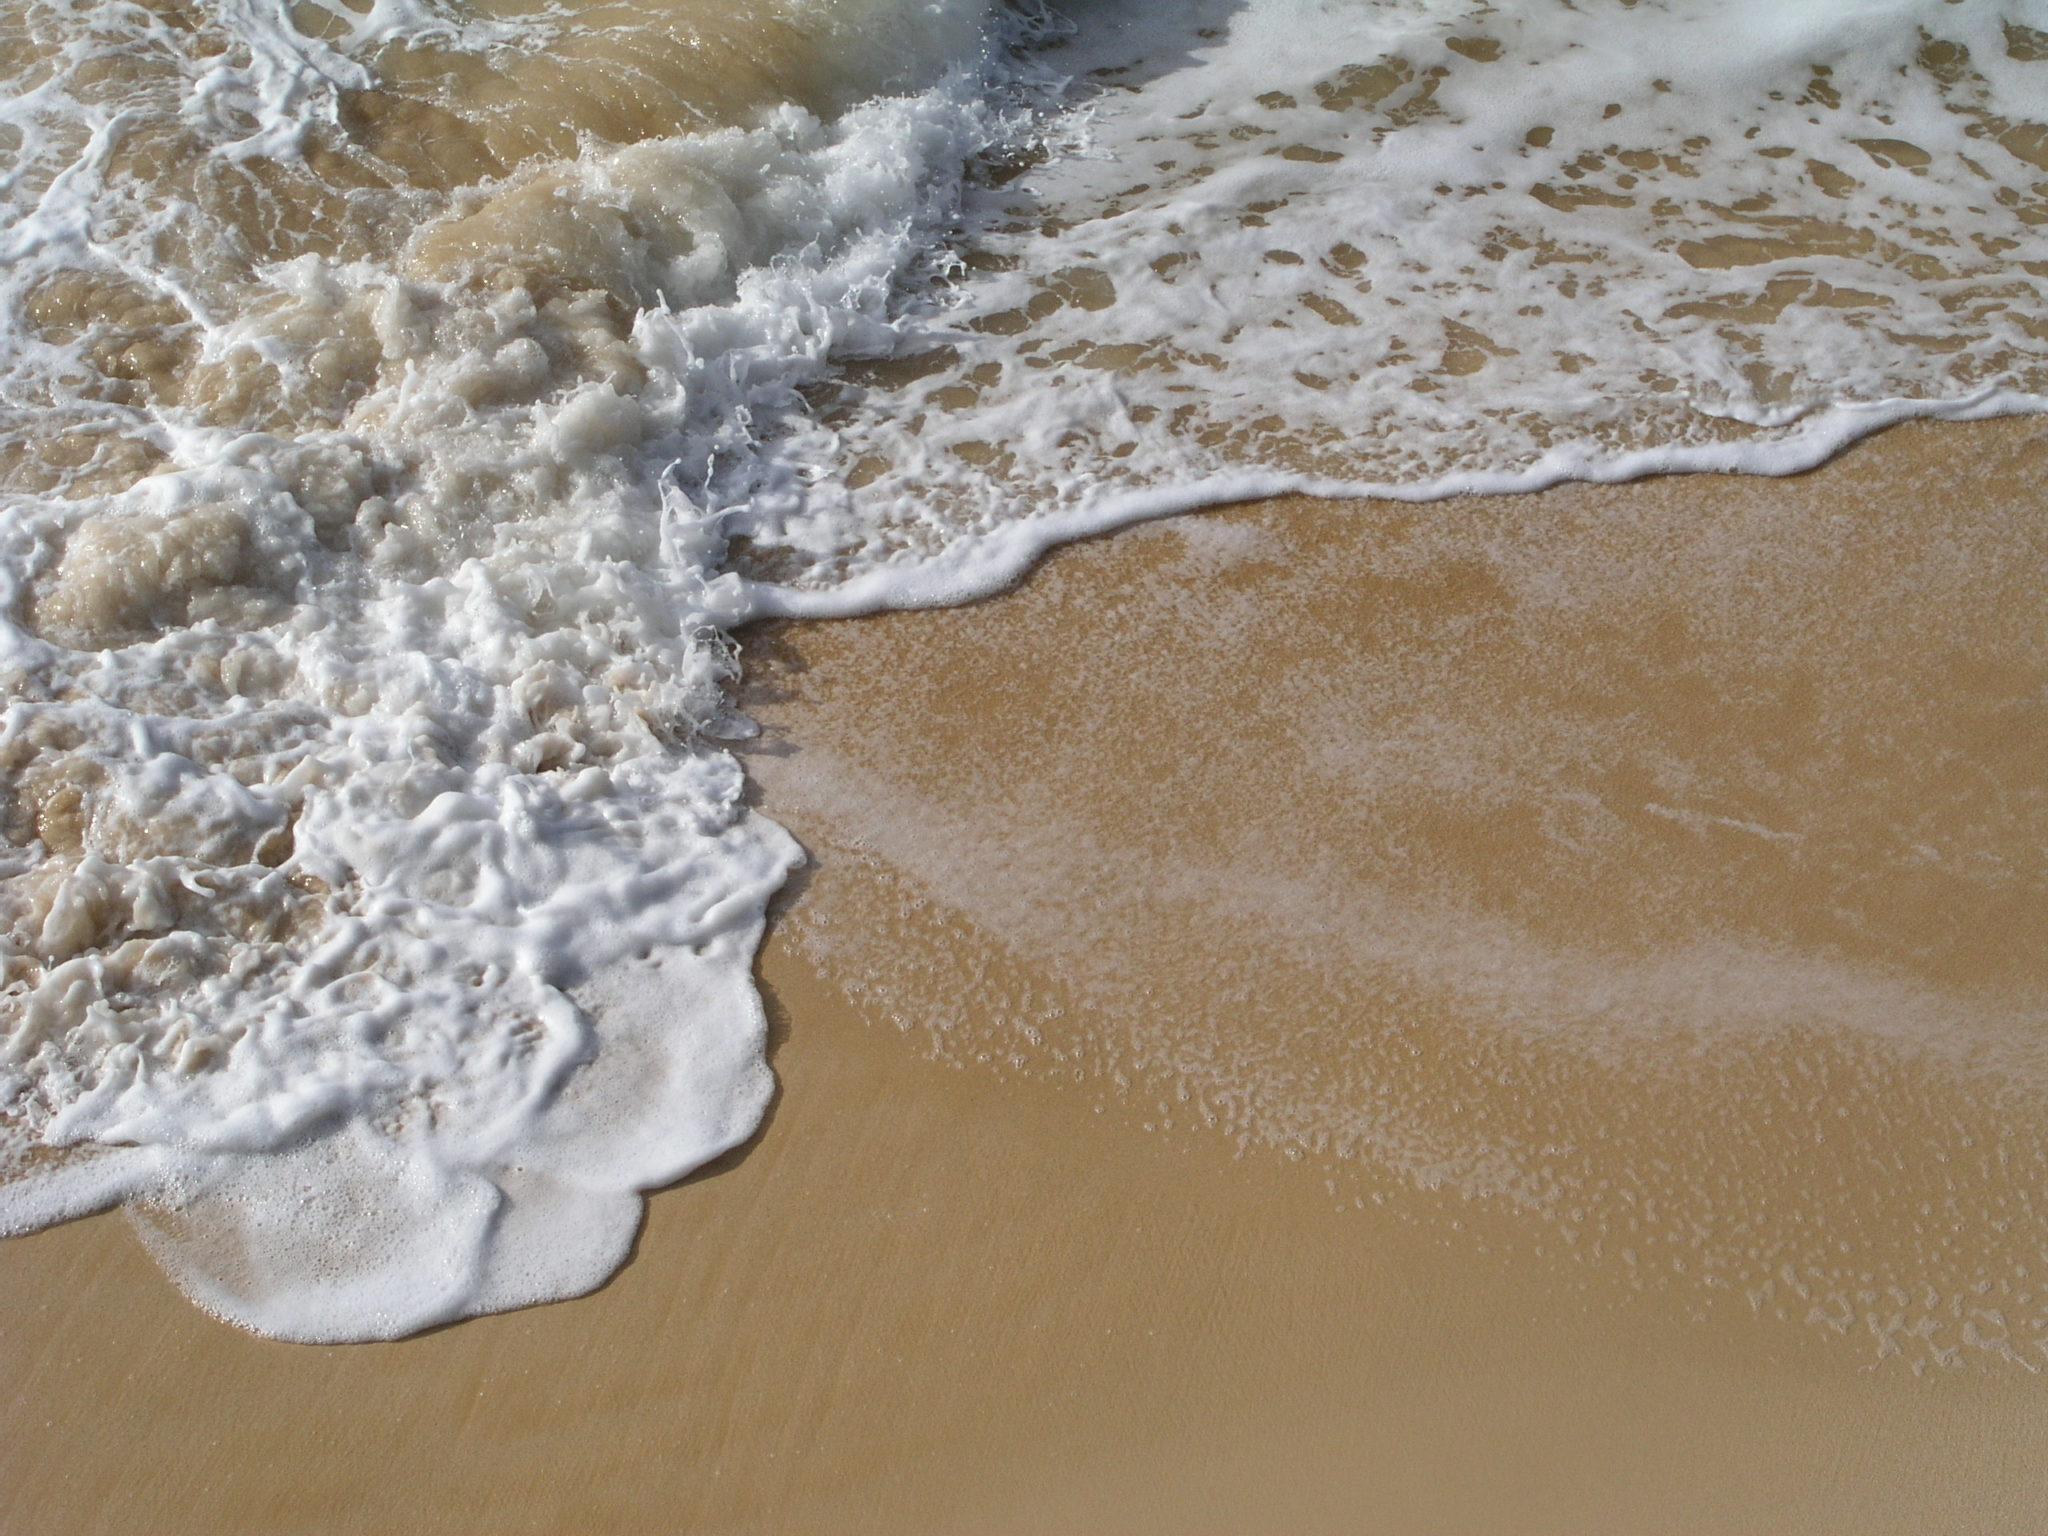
column 1354, row 247
column 361, row 748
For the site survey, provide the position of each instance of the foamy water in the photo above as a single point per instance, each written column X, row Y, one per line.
column 404, row 404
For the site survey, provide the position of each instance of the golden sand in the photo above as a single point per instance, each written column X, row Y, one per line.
column 1514, row 1015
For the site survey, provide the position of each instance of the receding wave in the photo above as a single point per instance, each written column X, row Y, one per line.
column 401, row 406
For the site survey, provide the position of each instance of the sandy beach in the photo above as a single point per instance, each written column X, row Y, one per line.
column 1523, row 1016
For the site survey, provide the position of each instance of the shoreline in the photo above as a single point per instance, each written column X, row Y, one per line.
column 946, row 1293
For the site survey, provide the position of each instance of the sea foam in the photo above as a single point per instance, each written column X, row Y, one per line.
column 375, row 716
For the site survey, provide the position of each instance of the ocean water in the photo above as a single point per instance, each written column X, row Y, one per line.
column 403, row 404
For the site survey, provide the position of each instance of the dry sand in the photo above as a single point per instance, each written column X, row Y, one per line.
column 1516, row 1016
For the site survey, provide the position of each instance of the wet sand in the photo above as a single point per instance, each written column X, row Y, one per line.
column 1517, row 1016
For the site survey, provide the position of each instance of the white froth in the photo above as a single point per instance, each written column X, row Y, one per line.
column 1406, row 248
column 376, row 721
column 372, row 544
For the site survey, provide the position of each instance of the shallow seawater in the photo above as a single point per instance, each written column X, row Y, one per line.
column 1654, row 871
column 401, row 405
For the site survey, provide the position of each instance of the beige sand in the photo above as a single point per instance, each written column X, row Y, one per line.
column 1518, row 1016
